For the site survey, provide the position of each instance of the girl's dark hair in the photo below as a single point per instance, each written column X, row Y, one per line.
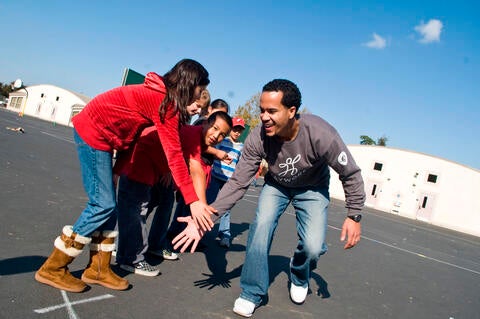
column 216, row 104
column 181, row 82
column 219, row 114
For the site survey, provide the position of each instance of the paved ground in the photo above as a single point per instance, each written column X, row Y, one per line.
column 401, row 269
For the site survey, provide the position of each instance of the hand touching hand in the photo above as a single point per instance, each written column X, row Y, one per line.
column 201, row 215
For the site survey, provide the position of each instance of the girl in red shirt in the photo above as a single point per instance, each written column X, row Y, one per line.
column 112, row 121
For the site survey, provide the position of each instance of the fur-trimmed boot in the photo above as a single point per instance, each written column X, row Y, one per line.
column 54, row 271
column 98, row 270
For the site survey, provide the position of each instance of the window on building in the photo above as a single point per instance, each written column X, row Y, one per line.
column 42, row 95
column 378, row 166
column 73, row 114
column 16, row 102
column 58, row 98
column 374, row 189
column 432, row 178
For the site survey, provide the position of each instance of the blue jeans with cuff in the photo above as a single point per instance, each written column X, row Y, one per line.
column 97, row 176
column 311, row 210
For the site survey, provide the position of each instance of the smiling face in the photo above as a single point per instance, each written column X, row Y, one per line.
column 195, row 107
column 216, row 132
column 277, row 119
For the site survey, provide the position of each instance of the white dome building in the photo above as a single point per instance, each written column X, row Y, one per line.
column 417, row 186
column 47, row 102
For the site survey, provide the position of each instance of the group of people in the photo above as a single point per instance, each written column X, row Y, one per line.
column 158, row 152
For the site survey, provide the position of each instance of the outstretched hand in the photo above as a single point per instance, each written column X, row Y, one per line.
column 191, row 235
column 351, row 233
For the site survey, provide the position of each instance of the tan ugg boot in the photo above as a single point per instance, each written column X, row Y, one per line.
column 54, row 271
column 98, row 270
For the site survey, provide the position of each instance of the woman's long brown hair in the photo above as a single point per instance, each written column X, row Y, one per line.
column 181, row 82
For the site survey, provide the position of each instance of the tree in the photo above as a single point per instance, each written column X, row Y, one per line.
column 5, row 89
column 250, row 111
column 367, row 140
column 382, row 141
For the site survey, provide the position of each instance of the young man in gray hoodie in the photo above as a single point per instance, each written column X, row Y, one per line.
column 299, row 149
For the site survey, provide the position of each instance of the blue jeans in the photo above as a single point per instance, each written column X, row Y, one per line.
column 135, row 203
column 97, row 177
column 212, row 191
column 311, row 207
column 133, row 199
column 162, row 199
column 176, row 227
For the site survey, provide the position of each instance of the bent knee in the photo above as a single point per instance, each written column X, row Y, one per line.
column 314, row 250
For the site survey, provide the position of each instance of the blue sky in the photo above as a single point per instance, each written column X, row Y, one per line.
column 409, row 70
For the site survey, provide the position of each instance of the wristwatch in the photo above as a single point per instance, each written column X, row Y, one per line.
column 356, row 218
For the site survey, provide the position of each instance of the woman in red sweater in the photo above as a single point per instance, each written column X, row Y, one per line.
column 112, row 121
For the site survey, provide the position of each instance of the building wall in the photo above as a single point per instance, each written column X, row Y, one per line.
column 417, row 186
column 47, row 102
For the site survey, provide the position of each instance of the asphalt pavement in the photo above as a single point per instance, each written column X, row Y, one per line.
column 402, row 268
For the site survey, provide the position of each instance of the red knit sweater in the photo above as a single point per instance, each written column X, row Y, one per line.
column 115, row 119
column 148, row 164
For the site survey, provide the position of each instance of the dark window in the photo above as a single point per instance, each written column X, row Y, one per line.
column 378, row 166
column 58, row 98
column 424, row 204
column 42, row 95
column 374, row 189
column 432, row 178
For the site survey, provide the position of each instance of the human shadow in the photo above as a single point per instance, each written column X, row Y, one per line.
column 216, row 257
column 22, row 264
column 281, row 264
column 277, row 265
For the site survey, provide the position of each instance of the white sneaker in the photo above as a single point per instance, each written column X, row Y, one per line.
column 243, row 307
column 298, row 293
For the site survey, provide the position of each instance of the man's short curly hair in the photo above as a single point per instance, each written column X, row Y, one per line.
column 291, row 93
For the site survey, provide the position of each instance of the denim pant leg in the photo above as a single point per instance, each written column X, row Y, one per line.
column 176, row 227
column 97, row 178
column 224, row 227
column 163, row 205
column 133, row 199
column 213, row 188
column 255, row 278
column 311, row 209
column 212, row 191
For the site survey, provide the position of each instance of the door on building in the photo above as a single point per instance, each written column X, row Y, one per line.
column 425, row 207
column 372, row 190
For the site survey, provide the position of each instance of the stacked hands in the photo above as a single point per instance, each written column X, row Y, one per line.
column 197, row 225
column 200, row 222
